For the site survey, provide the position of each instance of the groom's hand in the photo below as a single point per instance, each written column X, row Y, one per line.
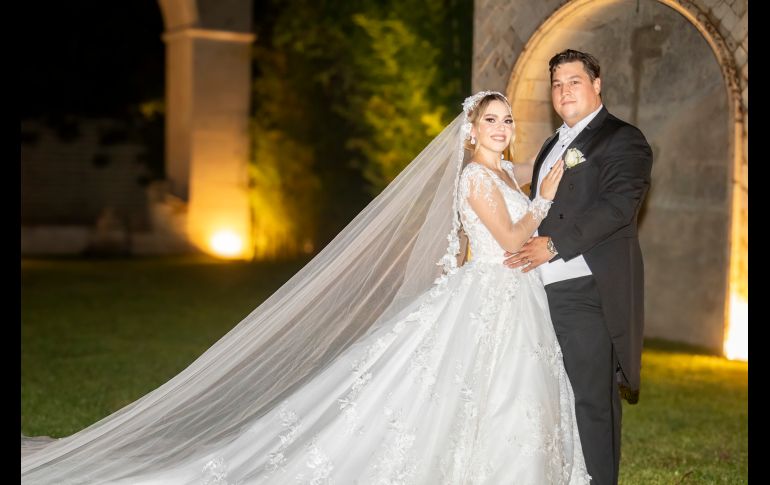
column 531, row 255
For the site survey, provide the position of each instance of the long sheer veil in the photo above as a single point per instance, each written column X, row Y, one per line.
column 388, row 255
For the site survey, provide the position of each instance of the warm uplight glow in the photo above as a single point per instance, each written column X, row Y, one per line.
column 227, row 243
column 737, row 342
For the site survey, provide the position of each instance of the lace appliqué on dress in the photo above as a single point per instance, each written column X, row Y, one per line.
column 480, row 183
column 320, row 465
column 539, row 208
column 291, row 422
column 550, row 356
column 393, row 465
column 215, row 472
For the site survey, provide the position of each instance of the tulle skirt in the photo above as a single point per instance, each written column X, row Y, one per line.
column 465, row 386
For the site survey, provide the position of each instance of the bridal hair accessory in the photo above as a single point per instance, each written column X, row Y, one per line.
column 449, row 261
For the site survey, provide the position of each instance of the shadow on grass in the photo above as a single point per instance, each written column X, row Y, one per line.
column 678, row 347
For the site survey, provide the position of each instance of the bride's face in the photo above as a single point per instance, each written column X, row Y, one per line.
column 494, row 128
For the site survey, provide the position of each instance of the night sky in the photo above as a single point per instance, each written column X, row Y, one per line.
column 92, row 58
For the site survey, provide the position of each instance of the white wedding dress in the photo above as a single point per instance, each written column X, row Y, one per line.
column 465, row 386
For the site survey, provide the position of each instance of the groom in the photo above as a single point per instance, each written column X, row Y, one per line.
column 589, row 255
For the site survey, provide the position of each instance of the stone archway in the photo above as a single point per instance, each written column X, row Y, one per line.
column 667, row 69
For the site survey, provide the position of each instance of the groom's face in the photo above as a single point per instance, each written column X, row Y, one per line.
column 573, row 93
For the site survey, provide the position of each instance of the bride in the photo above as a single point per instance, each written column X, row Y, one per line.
column 372, row 365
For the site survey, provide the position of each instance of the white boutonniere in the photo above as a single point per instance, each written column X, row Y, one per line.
column 573, row 157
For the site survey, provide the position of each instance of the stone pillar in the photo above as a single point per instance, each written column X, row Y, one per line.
column 208, row 76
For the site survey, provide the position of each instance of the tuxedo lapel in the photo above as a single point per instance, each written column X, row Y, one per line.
column 544, row 151
column 586, row 134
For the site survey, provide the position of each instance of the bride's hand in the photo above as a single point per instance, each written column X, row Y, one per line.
column 551, row 181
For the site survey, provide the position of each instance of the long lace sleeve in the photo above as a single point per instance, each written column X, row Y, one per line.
column 487, row 202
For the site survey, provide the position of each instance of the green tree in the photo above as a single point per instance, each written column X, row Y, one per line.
column 346, row 94
column 392, row 99
column 284, row 187
column 410, row 59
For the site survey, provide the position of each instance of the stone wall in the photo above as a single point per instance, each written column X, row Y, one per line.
column 71, row 174
column 85, row 189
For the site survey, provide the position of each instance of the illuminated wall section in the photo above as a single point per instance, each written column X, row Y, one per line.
column 208, row 76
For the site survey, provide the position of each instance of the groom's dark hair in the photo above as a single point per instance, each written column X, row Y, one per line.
column 590, row 63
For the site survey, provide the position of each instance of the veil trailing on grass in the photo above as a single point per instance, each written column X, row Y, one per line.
column 388, row 255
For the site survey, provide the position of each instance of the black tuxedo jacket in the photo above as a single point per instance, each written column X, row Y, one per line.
column 594, row 213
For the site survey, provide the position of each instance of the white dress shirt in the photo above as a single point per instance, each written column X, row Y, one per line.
column 558, row 269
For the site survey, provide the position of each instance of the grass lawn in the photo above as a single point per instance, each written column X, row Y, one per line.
column 97, row 335
column 691, row 422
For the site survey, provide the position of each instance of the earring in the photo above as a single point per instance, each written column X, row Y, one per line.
column 502, row 157
column 473, row 140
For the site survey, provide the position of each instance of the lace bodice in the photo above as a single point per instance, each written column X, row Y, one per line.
column 499, row 201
